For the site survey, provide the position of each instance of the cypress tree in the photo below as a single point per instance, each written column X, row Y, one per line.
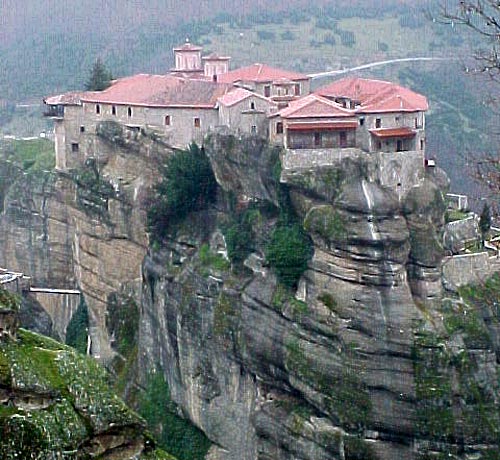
column 100, row 77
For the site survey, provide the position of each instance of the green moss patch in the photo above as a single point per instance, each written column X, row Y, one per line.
column 78, row 402
column 326, row 222
column 175, row 435
column 9, row 301
column 345, row 396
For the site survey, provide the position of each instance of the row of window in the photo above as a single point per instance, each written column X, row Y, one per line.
column 113, row 110
column 283, row 91
column 167, row 119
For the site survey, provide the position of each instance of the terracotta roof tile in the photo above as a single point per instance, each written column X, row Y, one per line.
column 72, row 98
column 376, row 95
column 160, row 91
column 260, row 73
column 215, row 57
column 188, row 47
column 313, row 106
column 239, row 94
column 393, row 132
column 318, row 125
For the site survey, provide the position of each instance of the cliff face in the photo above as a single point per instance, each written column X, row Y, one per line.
column 366, row 359
column 358, row 363
column 85, row 229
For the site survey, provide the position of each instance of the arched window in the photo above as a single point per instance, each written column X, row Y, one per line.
column 252, row 105
column 129, row 111
column 167, row 120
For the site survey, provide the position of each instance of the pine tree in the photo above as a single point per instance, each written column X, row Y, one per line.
column 100, row 77
column 485, row 221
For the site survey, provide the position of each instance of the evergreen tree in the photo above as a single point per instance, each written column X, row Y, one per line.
column 100, row 77
column 485, row 221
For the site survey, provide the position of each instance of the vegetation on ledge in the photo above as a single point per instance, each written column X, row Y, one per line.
column 60, row 405
column 188, row 184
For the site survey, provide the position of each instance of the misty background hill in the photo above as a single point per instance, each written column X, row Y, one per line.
column 48, row 47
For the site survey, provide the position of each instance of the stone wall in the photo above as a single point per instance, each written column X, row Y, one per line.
column 241, row 117
column 466, row 269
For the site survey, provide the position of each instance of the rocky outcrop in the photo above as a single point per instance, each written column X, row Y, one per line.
column 352, row 370
column 365, row 359
column 55, row 403
column 85, row 228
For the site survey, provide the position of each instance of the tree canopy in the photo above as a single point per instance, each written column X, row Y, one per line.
column 188, row 184
column 100, row 77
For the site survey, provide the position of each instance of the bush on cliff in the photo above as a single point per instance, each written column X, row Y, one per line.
column 288, row 252
column 188, row 184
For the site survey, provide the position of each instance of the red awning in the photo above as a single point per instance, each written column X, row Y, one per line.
column 393, row 132
column 318, row 126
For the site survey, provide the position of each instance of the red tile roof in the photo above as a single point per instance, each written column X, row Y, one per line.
column 215, row 57
column 239, row 94
column 260, row 73
column 375, row 96
column 188, row 47
column 72, row 98
column 159, row 91
column 330, row 125
column 314, row 106
column 393, row 132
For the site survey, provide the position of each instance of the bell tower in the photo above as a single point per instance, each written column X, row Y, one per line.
column 187, row 58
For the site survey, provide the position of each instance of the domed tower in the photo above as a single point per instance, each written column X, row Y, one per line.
column 187, row 58
column 214, row 65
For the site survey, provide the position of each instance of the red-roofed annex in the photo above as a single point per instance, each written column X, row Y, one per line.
column 201, row 94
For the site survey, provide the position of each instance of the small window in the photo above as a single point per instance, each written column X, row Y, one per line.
column 422, row 144
column 97, row 109
column 397, row 120
column 197, row 122
column 267, row 91
column 254, row 129
column 75, row 147
column 82, row 129
column 361, row 121
column 113, row 110
column 416, row 123
column 343, row 139
column 167, row 120
column 279, row 127
column 317, row 139
column 379, row 145
column 129, row 111
column 297, row 90
column 378, row 122
column 252, row 105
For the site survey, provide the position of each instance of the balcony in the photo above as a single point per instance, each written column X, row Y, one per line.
column 54, row 111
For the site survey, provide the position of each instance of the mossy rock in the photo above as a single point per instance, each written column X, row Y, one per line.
column 326, row 222
column 60, row 400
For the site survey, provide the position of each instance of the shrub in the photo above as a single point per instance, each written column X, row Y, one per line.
column 266, row 35
column 329, row 39
column 176, row 435
column 287, row 35
column 239, row 237
column 77, row 330
column 188, row 184
column 288, row 252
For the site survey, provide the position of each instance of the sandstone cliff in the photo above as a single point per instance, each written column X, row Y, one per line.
column 367, row 359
